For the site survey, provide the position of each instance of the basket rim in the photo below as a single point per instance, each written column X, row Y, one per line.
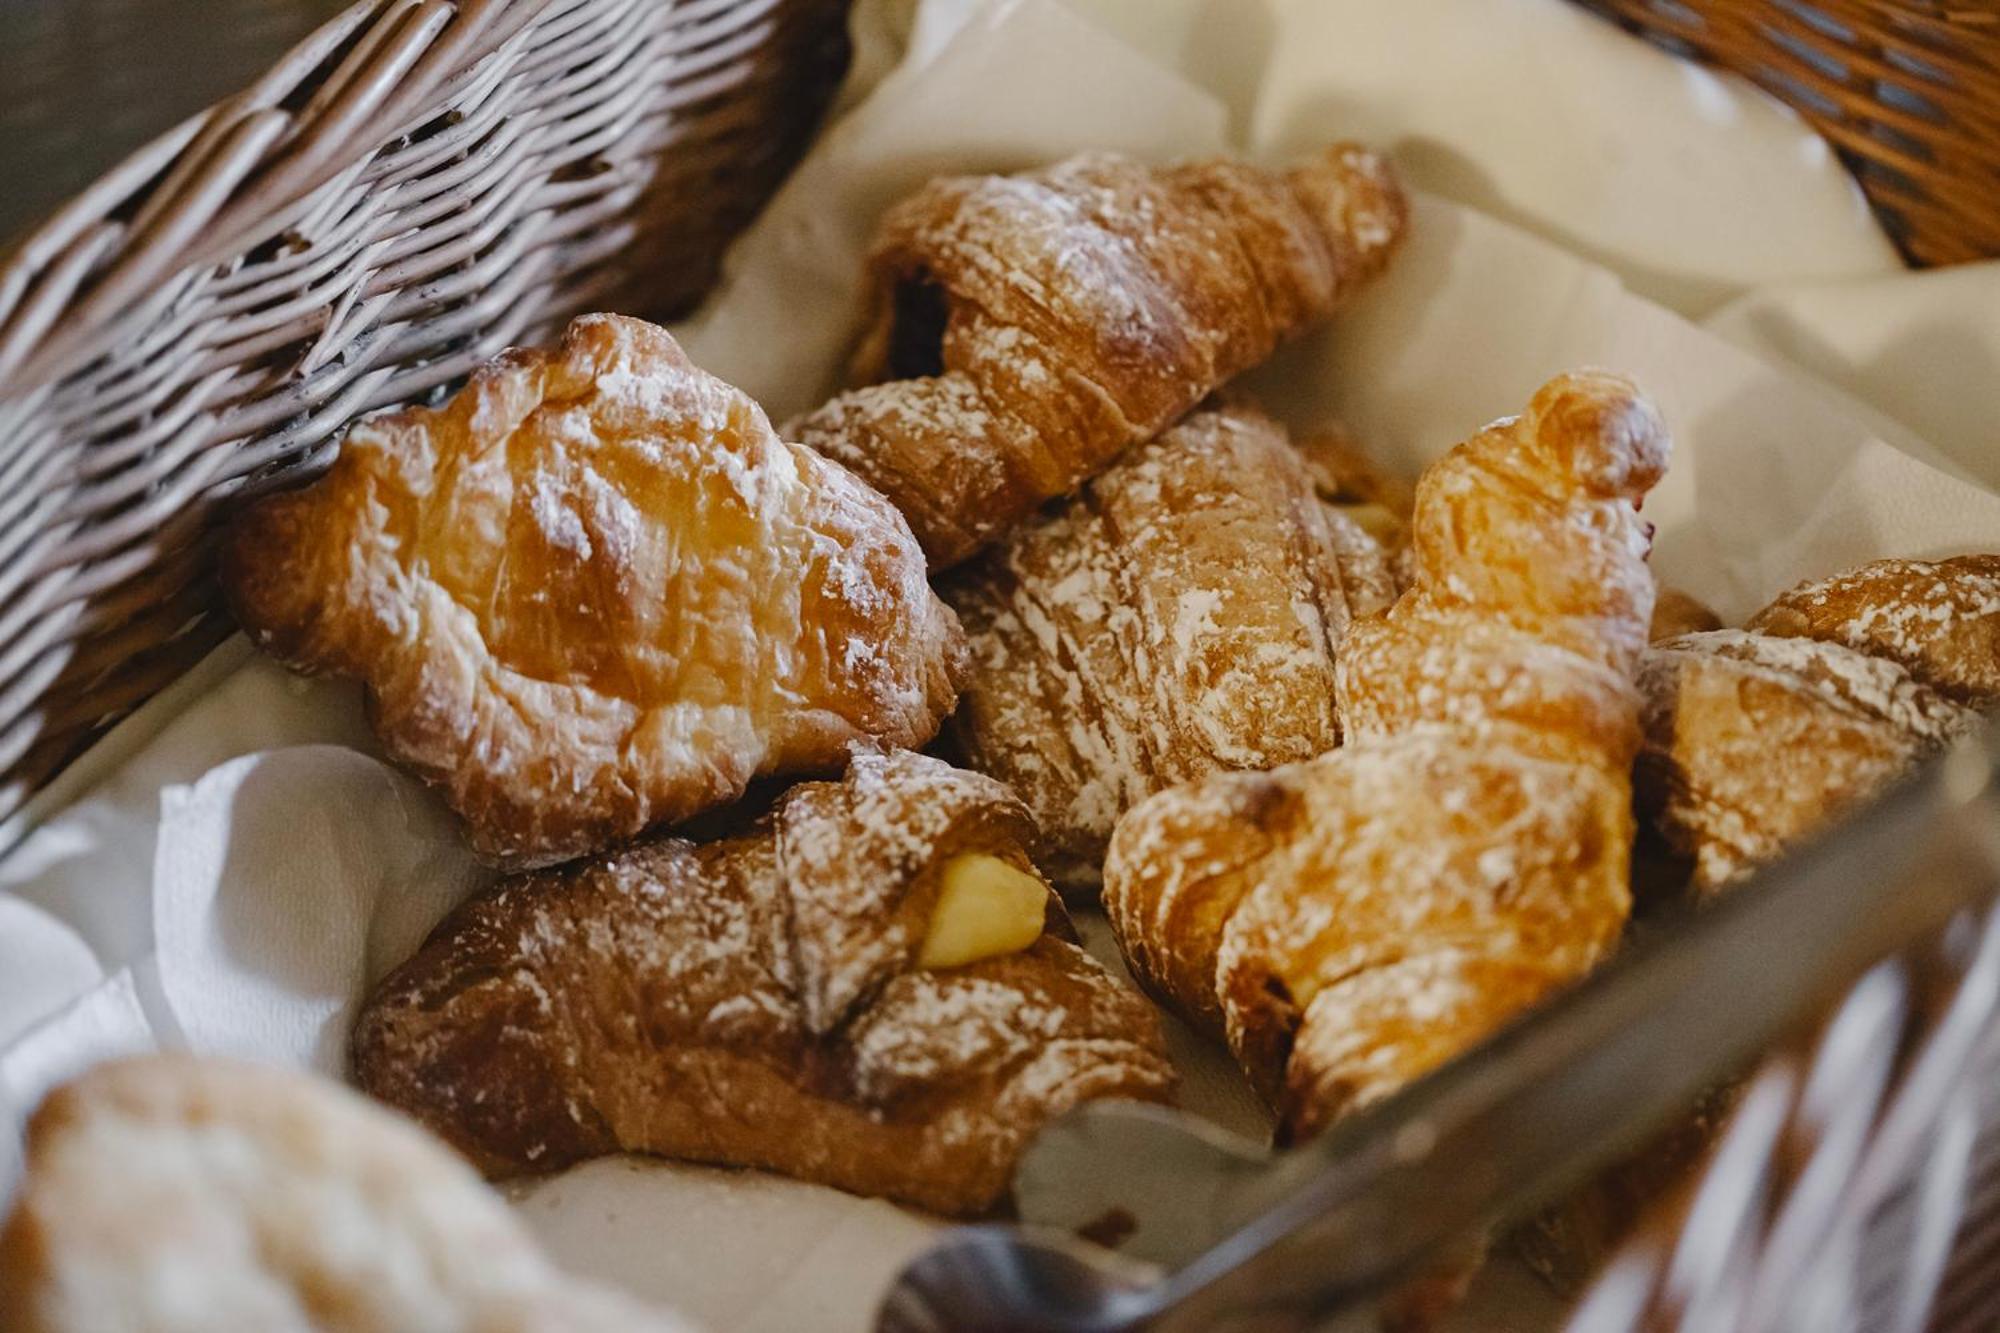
column 197, row 191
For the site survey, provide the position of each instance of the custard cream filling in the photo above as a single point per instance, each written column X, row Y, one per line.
column 985, row 908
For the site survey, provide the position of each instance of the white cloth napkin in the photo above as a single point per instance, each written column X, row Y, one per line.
column 295, row 879
column 1922, row 348
column 245, row 868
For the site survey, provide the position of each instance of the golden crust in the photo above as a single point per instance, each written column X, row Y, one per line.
column 1030, row 327
column 1420, row 891
column 1939, row 620
column 594, row 592
column 178, row 1195
column 1356, row 920
column 1178, row 617
column 1754, row 741
column 757, row 1002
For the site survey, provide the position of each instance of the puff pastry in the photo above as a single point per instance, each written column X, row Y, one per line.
column 1938, row 620
column 594, row 592
column 1756, row 738
column 166, row 1194
column 1753, row 740
column 1178, row 617
column 1025, row 329
column 766, row 1000
column 1351, row 922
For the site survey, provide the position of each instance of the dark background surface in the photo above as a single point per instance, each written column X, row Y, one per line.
column 85, row 82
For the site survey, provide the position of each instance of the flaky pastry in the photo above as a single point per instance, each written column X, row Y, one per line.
column 1177, row 617
column 858, row 992
column 1025, row 329
column 1351, row 922
column 1754, row 740
column 1757, row 738
column 594, row 592
column 1938, row 620
column 168, row 1194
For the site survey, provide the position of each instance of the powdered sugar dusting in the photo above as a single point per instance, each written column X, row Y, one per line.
column 1177, row 618
column 857, row 856
column 663, row 999
column 1755, row 739
column 1940, row 620
column 1360, row 917
column 1085, row 307
column 1872, row 687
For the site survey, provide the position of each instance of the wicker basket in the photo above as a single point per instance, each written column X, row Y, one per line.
column 417, row 185
column 1908, row 93
column 421, row 182
column 1858, row 1185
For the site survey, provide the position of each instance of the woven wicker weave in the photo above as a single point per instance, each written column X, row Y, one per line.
column 1858, row 1184
column 414, row 187
column 1909, row 93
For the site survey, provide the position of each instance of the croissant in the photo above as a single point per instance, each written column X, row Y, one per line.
column 1938, row 620
column 1753, row 741
column 1351, row 922
column 1757, row 738
column 594, row 592
column 861, row 992
column 177, row 1195
column 1178, row 617
column 1031, row 327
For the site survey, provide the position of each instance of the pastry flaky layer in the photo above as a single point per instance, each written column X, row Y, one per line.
column 594, row 592
column 1757, row 738
column 1937, row 619
column 761, row 1001
column 179, row 1195
column 1028, row 328
column 1351, row 922
column 1177, row 617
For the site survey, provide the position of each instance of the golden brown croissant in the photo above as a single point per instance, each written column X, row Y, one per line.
column 1938, row 620
column 1030, row 327
column 594, row 592
column 859, row 992
column 1757, row 738
column 167, row 1194
column 1354, row 921
column 1178, row 617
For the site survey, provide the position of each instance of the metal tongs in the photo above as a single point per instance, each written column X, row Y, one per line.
column 1222, row 1233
